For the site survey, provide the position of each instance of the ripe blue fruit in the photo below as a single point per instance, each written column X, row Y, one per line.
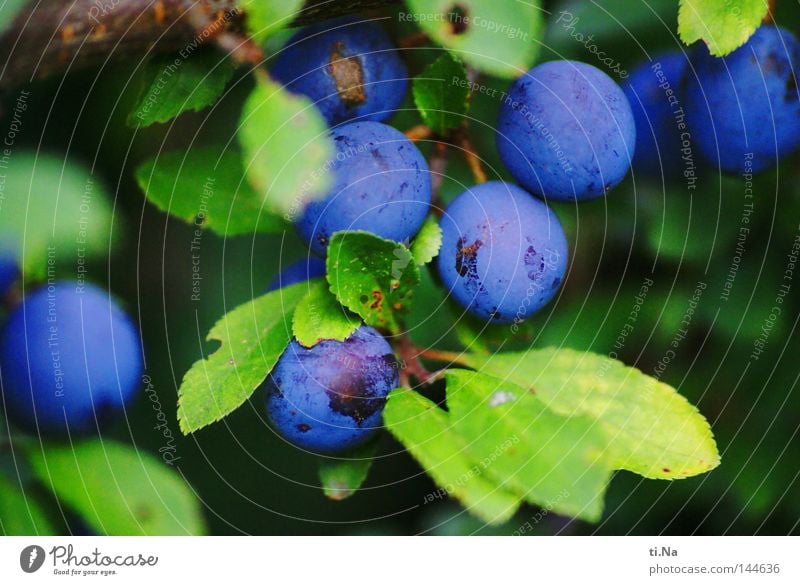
column 298, row 271
column 350, row 69
column 68, row 354
column 381, row 185
column 654, row 92
column 503, row 254
column 566, row 131
column 329, row 398
column 744, row 108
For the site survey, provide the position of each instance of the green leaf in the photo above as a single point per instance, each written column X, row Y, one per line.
column 320, row 316
column 723, row 25
column 20, row 515
column 287, row 148
column 205, row 187
column 651, row 429
column 427, row 242
column 264, row 19
column 441, row 93
column 495, row 37
column 173, row 84
column 253, row 337
column 341, row 478
column 9, row 11
column 552, row 461
column 118, row 490
column 426, row 431
column 372, row 277
column 53, row 211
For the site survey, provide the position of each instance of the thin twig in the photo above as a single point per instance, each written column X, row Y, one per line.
column 472, row 158
column 419, row 132
column 438, row 168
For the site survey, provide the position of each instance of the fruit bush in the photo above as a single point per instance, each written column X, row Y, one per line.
column 459, row 243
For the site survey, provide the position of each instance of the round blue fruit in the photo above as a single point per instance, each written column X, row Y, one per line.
column 329, row 398
column 350, row 69
column 744, row 108
column 298, row 271
column 503, row 254
column 381, row 184
column 654, row 92
column 69, row 355
column 566, row 131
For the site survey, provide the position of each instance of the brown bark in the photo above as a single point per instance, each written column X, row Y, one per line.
column 51, row 37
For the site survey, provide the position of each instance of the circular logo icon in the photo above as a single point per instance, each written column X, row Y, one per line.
column 31, row 558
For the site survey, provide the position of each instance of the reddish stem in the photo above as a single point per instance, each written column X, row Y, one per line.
column 419, row 132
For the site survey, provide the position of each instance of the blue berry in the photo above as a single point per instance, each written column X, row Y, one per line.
column 67, row 355
column 350, row 70
column 329, row 398
column 504, row 253
column 566, row 131
column 654, row 92
column 298, row 271
column 381, row 185
column 744, row 109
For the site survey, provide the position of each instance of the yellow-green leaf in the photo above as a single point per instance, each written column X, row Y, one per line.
column 724, row 25
column 253, row 337
column 651, row 429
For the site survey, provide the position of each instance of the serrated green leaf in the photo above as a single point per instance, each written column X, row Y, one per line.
column 651, row 429
column 287, row 147
column 253, row 337
column 53, row 210
column 426, row 431
column 20, row 514
column 9, row 11
column 320, row 316
column 441, row 93
column 118, row 490
column 552, row 461
column 723, row 25
column 427, row 242
column 173, row 84
column 500, row 38
column 372, row 277
column 205, row 187
column 342, row 477
column 264, row 19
